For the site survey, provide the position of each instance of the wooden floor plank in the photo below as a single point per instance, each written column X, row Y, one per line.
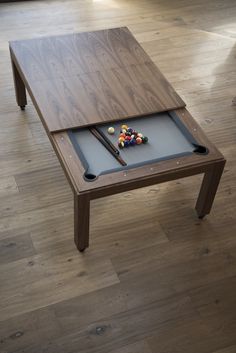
column 72, row 315
column 217, row 299
column 231, row 349
column 8, row 186
column 193, row 336
column 15, row 248
column 137, row 347
column 121, row 329
column 40, row 280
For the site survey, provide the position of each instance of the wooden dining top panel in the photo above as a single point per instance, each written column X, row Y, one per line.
column 90, row 78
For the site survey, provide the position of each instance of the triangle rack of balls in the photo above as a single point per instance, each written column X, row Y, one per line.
column 130, row 137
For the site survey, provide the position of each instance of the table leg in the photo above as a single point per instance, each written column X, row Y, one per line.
column 19, row 87
column 208, row 189
column 81, row 221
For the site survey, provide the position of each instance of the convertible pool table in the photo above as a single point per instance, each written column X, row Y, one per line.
column 91, row 81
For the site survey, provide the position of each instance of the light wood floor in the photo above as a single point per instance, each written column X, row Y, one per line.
column 155, row 279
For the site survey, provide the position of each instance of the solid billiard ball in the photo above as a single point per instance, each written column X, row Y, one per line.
column 111, row 130
column 121, row 144
column 125, row 127
column 122, row 135
column 126, row 143
column 121, row 139
column 138, row 140
column 145, row 139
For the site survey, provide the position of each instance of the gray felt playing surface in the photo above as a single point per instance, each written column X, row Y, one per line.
column 166, row 140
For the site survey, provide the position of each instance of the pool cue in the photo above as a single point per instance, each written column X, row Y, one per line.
column 107, row 140
column 107, row 145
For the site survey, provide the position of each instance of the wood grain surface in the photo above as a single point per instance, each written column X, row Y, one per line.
column 88, row 78
column 165, row 282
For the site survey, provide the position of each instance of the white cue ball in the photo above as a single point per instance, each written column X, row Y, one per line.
column 111, row 130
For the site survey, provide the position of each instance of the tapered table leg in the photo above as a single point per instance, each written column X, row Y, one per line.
column 208, row 189
column 19, row 87
column 81, row 220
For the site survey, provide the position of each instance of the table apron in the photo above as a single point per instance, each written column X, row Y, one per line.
column 154, row 179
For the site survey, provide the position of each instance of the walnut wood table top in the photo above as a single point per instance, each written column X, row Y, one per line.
column 90, row 78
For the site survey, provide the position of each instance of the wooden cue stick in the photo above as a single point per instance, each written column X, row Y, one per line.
column 107, row 140
column 107, row 145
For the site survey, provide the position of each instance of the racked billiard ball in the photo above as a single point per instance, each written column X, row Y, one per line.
column 138, row 140
column 145, row 139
